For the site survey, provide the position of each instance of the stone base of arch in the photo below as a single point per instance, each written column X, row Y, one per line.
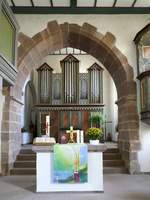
column 128, row 141
column 10, row 133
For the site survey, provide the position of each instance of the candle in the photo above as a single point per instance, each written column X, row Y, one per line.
column 71, row 128
column 82, row 137
column 78, row 136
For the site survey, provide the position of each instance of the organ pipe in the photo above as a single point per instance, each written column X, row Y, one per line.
column 71, row 71
column 44, row 83
column 95, row 84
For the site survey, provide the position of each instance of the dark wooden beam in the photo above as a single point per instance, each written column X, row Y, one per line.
column 95, row 3
column 51, row 2
column 73, row 3
column 80, row 10
column 134, row 2
column 13, row 3
column 32, row 3
column 114, row 4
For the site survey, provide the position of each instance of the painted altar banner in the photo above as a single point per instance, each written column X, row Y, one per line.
column 70, row 163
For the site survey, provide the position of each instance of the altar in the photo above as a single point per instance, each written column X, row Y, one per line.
column 45, row 165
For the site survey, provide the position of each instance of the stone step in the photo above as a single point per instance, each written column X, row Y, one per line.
column 26, row 146
column 25, row 164
column 111, row 156
column 111, row 150
column 115, row 170
column 26, row 157
column 32, row 164
column 113, row 163
column 23, row 171
column 26, row 151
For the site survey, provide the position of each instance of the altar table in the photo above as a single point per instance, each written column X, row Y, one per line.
column 44, row 171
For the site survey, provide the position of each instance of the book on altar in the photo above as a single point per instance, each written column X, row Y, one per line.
column 44, row 140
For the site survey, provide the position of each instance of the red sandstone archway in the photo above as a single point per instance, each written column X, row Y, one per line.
column 102, row 47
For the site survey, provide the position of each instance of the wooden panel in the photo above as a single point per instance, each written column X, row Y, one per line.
column 75, row 119
column 85, row 120
column 85, row 124
column 64, row 120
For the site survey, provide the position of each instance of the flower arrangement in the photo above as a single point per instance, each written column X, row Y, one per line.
column 94, row 133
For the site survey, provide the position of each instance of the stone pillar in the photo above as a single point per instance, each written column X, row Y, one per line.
column 11, row 132
column 128, row 141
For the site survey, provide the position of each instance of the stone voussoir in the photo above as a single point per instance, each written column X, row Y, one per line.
column 53, row 27
column 65, row 31
column 109, row 39
column 89, row 28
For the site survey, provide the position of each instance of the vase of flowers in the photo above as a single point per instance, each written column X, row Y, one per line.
column 94, row 135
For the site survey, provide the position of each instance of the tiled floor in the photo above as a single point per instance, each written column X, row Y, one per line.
column 116, row 187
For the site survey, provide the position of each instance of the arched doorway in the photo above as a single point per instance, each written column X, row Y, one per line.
column 102, row 47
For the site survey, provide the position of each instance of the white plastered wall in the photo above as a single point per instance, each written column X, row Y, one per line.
column 124, row 27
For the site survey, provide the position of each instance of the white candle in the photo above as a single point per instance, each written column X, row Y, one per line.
column 82, row 137
column 78, row 136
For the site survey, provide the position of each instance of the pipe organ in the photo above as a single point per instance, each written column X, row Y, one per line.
column 68, row 98
column 70, row 79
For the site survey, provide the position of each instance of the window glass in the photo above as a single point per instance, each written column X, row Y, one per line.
column 6, row 37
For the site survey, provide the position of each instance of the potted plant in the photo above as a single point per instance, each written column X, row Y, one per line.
column 94, row 135
column 96, row 120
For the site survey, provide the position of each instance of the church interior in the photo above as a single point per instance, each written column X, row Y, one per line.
column 67, row 67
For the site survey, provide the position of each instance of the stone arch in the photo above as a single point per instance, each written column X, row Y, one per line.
column 102, row 47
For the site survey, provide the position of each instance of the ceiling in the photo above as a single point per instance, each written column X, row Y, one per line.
column 80, row 6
